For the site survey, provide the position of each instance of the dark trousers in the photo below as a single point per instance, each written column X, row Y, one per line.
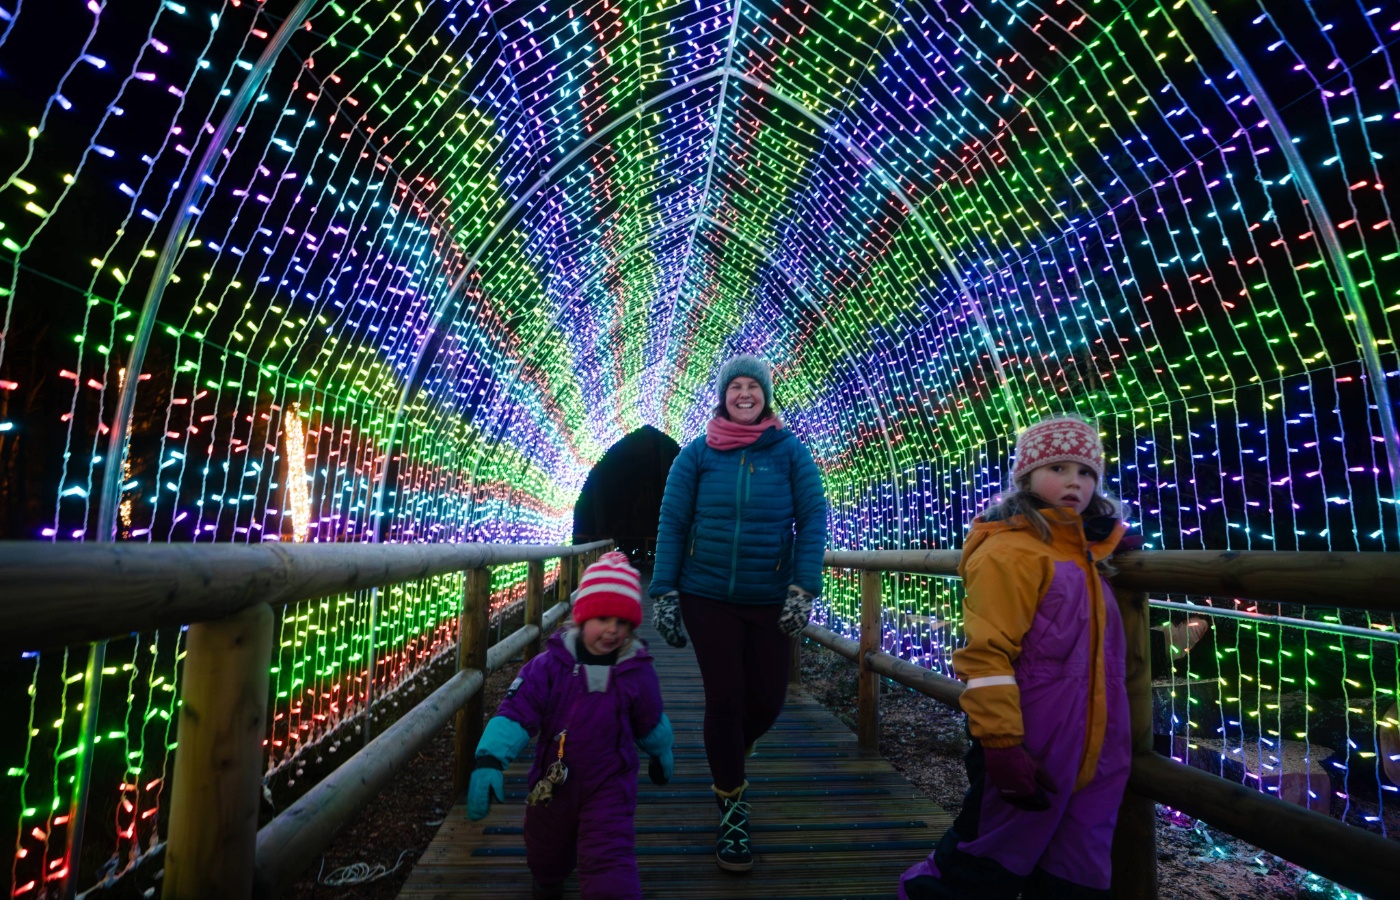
column 591, row 827
column 744, row 661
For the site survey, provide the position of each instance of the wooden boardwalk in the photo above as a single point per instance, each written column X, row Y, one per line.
column 828, row 819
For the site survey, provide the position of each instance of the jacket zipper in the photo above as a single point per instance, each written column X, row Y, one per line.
column 738, row 523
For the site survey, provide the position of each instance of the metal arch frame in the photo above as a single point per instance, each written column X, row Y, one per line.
column 794, row 283
column 525, row 197
column 726, row 72
column 576, row 292
column 110, row 497
column 709, row 166
column 893, row 185
column 165, row 264
column 1331, row 241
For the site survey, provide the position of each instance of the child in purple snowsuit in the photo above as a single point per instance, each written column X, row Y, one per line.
column 593, row 698
column 1045, row 700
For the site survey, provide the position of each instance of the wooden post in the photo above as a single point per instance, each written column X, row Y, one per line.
column 1135, row 838
column 563, row 586
column 868, row 688
column 795, row 666
column 473, row 638
column 534, row 604
column 219, row 764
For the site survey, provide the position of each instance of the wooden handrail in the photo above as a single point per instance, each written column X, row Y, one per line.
column 144, row 587
column 1350, row 856
column 150, row 586
column 53, row 601
column 71, row 593
column 290, row 843
column 1351, row 580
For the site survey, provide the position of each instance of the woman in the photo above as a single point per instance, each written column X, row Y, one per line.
column 739, row 558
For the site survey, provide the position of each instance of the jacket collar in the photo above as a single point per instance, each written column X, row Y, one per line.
column 1096, row 537
column 565, row 644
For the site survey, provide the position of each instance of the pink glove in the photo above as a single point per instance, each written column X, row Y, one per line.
column 1017, row 777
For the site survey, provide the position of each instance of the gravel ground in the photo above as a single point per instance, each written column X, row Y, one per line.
column 923, row 739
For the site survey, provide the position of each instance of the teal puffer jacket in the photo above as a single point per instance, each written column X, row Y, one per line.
column 741, row 525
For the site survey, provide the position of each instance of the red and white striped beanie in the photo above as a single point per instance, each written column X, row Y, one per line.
column 609, row 587
column 1064, row 439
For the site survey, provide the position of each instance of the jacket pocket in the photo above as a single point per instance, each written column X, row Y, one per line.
column 784, row 562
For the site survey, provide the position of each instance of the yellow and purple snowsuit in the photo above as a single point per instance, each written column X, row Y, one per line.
column 1044, row 664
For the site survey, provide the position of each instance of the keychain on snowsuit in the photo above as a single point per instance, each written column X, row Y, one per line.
column 543, row 791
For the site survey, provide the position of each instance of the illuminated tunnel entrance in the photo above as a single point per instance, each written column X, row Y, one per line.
column 365, row 271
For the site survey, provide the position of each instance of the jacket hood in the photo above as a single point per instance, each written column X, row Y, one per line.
column 1098, row 536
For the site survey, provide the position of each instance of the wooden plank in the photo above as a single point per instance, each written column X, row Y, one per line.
column 829, row 819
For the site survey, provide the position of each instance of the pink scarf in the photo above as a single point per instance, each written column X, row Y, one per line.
column 726, row 434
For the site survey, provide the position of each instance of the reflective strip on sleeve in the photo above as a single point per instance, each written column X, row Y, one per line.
column 990, row 680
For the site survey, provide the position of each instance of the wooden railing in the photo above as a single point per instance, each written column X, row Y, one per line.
column 61, row 594
column 1349, row 856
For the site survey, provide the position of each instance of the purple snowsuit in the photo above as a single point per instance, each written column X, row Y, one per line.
column 605, row 710
column 1044, row 666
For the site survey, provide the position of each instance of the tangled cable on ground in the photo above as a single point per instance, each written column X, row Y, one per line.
column 358, row 873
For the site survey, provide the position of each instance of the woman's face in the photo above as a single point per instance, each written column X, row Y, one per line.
column 743, row 400
column 1067, row 484
column 604, row 634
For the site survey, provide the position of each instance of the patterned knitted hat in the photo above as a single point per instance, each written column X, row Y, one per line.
column 1064, row 439
column 609, row 587
column 746, row 365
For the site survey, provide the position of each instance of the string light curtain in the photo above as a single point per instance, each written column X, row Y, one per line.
column 451, row 252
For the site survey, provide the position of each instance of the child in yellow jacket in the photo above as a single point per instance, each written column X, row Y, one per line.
column 1045, row 701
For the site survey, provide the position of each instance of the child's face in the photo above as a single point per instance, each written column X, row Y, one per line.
column 1067, row 484
column 605, row 634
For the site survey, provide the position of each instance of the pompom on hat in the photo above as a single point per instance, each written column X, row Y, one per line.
column 742, row 366
column 1062, row 439
column 609, row 587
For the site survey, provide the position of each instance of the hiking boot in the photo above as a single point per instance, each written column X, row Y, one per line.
column 732, row 840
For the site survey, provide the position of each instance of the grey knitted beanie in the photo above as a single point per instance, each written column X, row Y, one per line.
column 748, row 365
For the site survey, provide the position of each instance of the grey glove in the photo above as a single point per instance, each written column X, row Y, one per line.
column 797, row 610
column 667, row 619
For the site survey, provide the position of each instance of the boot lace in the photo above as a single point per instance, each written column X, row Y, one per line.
column 735, row 825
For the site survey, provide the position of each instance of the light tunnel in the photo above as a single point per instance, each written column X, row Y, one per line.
column 370, row 271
